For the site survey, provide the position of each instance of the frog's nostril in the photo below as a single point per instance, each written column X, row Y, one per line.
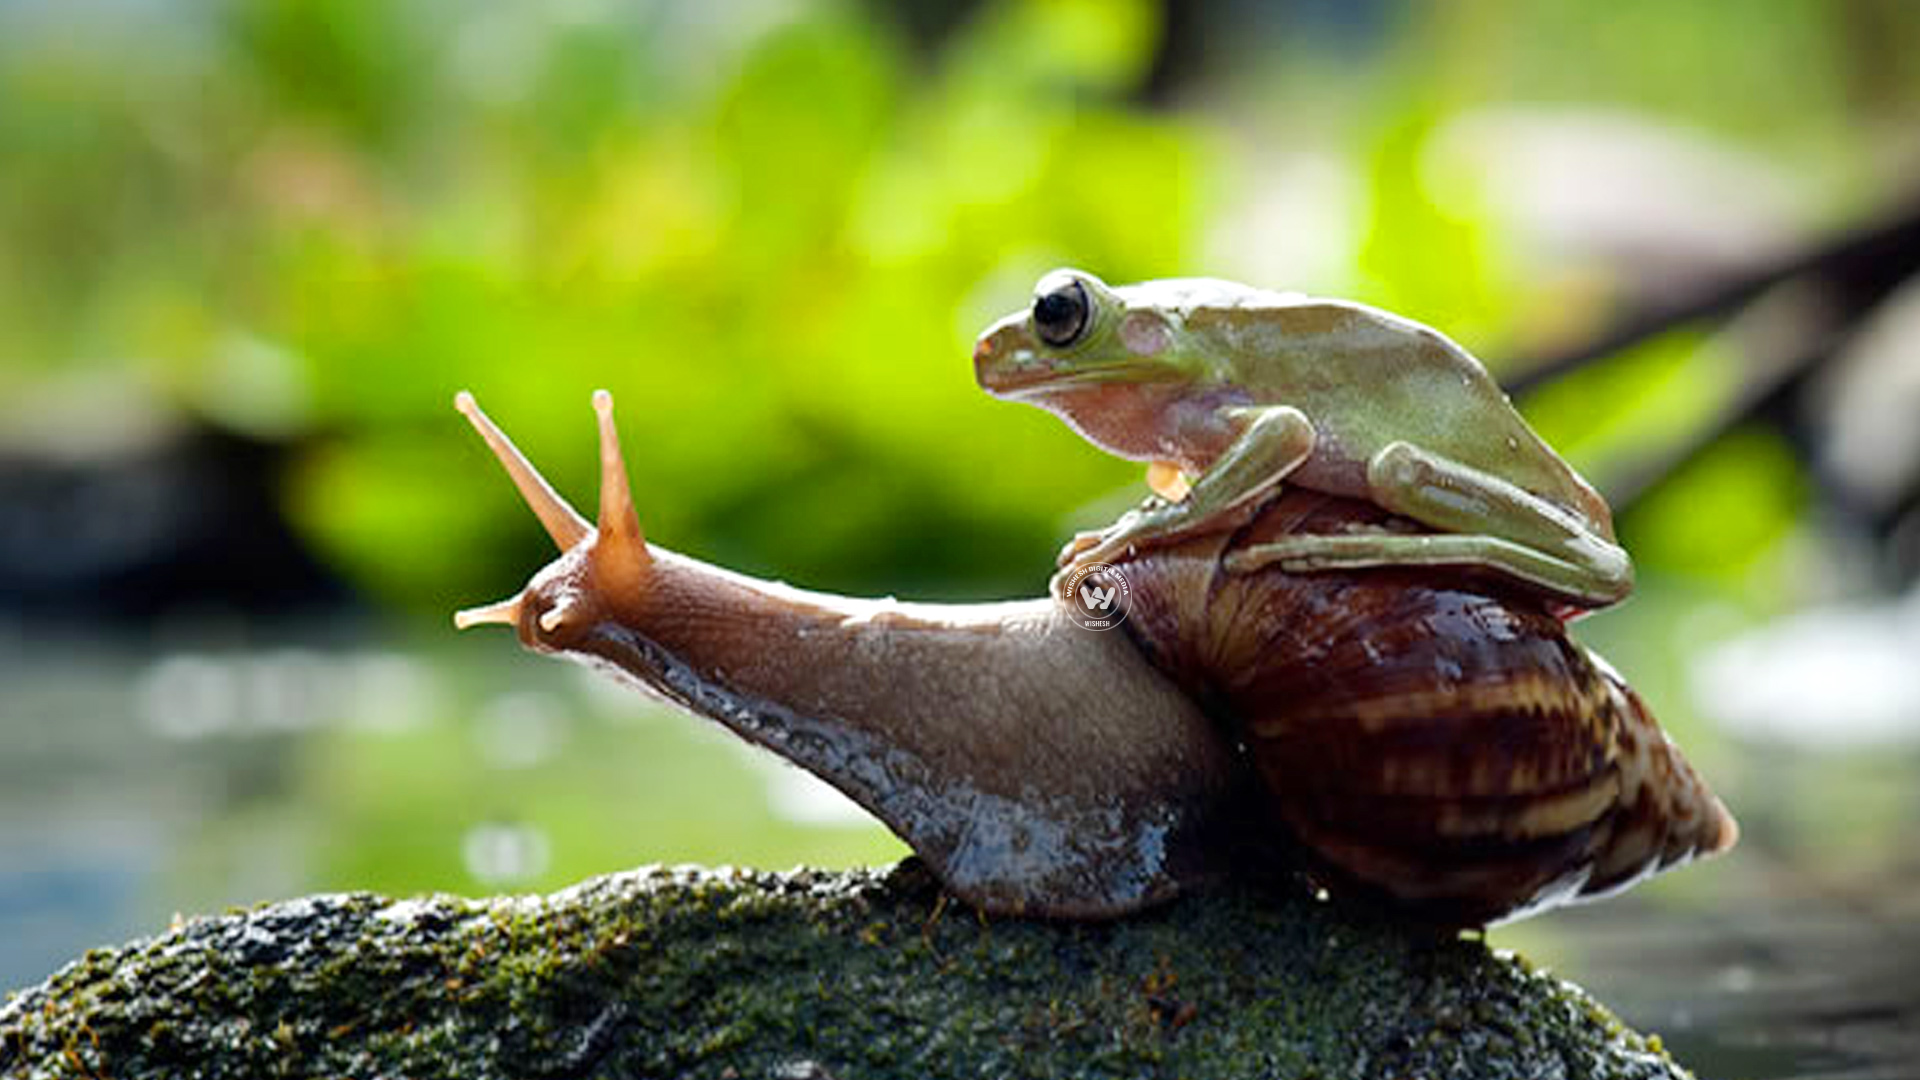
column 982, row 351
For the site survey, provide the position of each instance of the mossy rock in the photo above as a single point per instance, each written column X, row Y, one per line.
column 686, row 972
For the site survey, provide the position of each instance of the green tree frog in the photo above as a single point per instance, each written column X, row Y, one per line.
column 1227, row 390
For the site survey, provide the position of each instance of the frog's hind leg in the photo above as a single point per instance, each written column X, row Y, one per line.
column 1306, row 554
column 1536, row 541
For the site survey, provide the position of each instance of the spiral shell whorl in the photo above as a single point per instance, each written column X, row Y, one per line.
column 1666, row 814
column 1433, row 739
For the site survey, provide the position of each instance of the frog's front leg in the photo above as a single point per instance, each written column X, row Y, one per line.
column 1273, row 442
column 1484, row 521
column 1167, row 482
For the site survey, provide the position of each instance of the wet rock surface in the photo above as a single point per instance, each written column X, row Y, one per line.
column 716, row 973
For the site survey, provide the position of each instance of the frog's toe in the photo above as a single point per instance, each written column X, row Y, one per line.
column 1073, row 548
column 1102, row 552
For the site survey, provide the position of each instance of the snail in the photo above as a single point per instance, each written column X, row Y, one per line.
column 1429, row 738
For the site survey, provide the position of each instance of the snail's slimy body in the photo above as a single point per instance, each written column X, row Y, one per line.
column 1040, row 768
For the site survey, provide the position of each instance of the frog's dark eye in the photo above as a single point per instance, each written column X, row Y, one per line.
column 1061, row 313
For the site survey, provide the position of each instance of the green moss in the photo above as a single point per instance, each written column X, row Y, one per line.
column 720, row 973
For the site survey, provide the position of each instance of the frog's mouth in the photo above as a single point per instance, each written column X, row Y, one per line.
column 1009, row 364
column 1042, row 380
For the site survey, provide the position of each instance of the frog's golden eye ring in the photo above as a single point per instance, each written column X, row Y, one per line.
column 1062, row 311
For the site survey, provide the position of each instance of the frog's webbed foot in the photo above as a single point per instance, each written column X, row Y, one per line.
column 1154, row 524
column 1135, row 528
column 1081, row 542
column 1273, row 441
column 1103, row 545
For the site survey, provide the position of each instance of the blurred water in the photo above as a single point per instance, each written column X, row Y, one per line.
column 140, row 781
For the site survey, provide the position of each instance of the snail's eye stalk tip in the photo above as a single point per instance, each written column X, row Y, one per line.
column 562, row 523
column 621, row 553
column 556, row 617
column 504, row 613
column 617, row 555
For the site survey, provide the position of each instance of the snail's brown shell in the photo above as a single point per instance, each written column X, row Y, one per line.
column 1430, row 737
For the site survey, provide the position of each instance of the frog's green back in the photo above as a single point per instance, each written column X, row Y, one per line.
column 1367, row 378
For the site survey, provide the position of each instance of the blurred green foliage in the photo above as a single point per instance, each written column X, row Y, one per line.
column 770, row 229
column 770, row 238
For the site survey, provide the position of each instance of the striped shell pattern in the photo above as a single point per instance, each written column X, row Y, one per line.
column 1434, row 740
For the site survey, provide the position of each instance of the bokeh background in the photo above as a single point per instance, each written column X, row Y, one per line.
column 250, row 248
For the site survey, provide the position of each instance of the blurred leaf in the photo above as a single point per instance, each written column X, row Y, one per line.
column 1638, row 406
column 791, row 368
column 401, row 510
column 1722, row 513
column 1426, row 251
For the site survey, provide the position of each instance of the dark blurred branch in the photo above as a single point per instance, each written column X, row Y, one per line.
column 1848, row 277
column 1767, row 395
column 1864, row 266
